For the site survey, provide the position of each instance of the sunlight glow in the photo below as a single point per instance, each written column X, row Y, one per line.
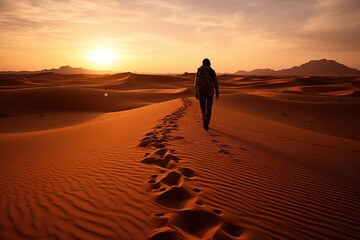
column 103, row 56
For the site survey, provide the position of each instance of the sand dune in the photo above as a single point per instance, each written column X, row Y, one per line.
column 79, row 182
column 52, row 95
column 328, row 116
column 124, row 156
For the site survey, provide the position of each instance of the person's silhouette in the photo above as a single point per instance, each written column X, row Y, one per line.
column 205, row 82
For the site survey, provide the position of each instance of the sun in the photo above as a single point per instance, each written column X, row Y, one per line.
column 102, row 56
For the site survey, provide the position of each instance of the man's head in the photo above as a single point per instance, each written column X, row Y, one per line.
column 206, row 62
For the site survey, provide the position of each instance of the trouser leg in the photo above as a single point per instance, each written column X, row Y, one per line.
column 209, row 103
column 202, row 100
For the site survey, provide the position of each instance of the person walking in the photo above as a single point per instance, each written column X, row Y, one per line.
column 205, row 83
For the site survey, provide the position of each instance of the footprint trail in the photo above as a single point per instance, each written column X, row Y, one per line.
column 187, row 216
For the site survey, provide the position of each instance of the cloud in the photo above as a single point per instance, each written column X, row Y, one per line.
column 234, row 27
column 335, row 25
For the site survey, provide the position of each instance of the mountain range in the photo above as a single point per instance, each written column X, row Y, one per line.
column 61, row 70
column 322, row 67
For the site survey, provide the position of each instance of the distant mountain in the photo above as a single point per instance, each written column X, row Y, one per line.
column 265, row 71
column 61, row 70
column 321, row 67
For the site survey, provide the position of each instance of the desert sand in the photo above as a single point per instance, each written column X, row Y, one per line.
column 125, row 156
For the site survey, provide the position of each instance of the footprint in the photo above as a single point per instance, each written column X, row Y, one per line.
column 172, row 178
column 187, row 172
column 145, row 139
column 217, row 211
column 176, row 197
column 232, row 229
column 158, row 145
column 161, row 140
column 150, row 160
column 178, row 138
column 164, row 138
column 156, row 186
column 156, row 161
column 161, row 152
column 199, row 203
column 166, row 131
column 196, row 222
column 145, row 143
column 224, row 151
column 197, row 190
column 170, row 156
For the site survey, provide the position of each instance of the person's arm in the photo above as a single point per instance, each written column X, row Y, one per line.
column 216, row 85
column 196, row 85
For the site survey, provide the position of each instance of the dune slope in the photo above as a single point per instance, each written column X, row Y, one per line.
column 80, row 182
column 250, row 178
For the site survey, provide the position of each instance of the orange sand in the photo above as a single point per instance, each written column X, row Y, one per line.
column 124, row 156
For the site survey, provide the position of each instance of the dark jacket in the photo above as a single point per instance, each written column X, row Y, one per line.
column 207, row 90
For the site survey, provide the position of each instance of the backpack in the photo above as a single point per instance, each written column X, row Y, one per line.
column 204, row 82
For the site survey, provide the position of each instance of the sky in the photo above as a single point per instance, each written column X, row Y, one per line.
column 174, row 36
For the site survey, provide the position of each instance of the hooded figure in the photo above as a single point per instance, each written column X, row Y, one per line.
column 205, row 83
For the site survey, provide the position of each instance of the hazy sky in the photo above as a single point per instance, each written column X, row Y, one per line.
column 175, row 35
